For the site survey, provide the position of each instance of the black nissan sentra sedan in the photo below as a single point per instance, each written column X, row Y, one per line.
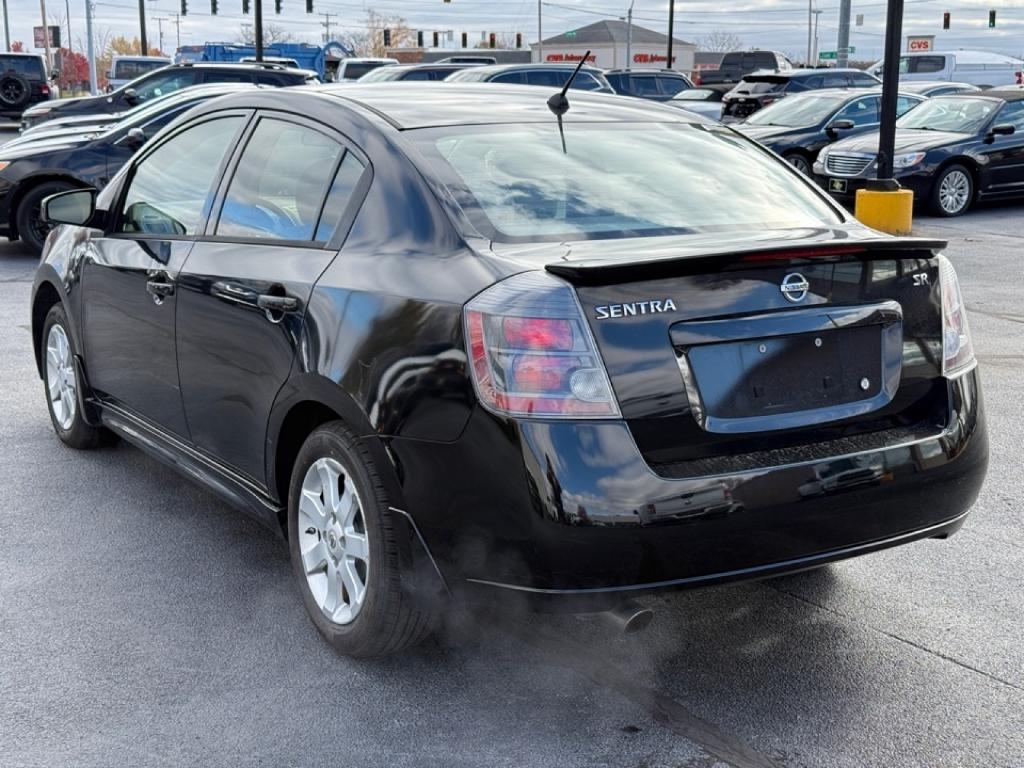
column 454, row 352
column 951, row 151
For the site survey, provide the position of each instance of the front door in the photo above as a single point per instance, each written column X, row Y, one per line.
column 130, row 274
column 244, row 288
column 1005, row 171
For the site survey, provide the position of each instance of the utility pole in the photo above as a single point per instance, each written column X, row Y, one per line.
column 810, row 11
column 814, row 52
column 160, row 30
column 258, row 31
column 46, row 33
column 177, row 27
column 326, row 24
column 540, row 34
column 671, row 29
column 142, row 27
column 843, row 48
column 67, row 13
column 7, row 28
column 629, row 35
column 90, row 50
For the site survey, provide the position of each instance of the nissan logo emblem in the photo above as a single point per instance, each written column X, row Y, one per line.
column 794, row 287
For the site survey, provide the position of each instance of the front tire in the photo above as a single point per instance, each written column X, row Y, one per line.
column 344, row 551
column 952, row 192
column 63, row 386
column 31, row 229
column 799, row 161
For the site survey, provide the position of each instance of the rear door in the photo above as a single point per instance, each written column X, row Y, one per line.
column 129, row 276
column 278, row 221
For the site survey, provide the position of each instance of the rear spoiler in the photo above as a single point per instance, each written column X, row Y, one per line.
column 593, row 271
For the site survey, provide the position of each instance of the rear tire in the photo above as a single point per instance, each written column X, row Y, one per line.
column 31, row 229
column 953, row 191
column 344, row 550
column 62, row 386
column 15, row 91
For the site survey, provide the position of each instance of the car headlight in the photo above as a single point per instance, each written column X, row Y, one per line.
column 4, row 164
column 907, row 161
column 37, row 111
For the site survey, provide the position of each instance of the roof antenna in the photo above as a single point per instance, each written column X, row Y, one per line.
column 558, row 103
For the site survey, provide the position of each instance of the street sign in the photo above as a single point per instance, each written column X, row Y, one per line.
column 833, row 55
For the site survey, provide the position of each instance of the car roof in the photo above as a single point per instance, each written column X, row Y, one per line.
column 643, row 71
column 409, row 105
column 270, row 65
column 22, row 54
column 488, row 69
column 993, row 92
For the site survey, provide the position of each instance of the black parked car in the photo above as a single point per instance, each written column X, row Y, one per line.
column 798, row 126
column 929, row 88
column 951, row 151
column 444, row 353
column 764, row 88
column 653, row 84
column 432, row 72
column 33, row 169
column 166, row 80
column 24, row 81
column 551, row 75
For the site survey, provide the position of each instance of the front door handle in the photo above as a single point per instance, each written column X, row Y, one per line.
column 275, row 306
column 160, row 287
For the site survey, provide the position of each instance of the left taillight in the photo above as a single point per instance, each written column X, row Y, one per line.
column 957, row 347
column 532, row 353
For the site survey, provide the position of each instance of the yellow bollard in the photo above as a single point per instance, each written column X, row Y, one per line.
column 889, row 211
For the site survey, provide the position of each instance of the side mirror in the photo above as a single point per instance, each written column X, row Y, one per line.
column 55, row 74
column 1003, row 129
column 131, row 97
column 134, row 139
column 74, row 207
column 839, row 125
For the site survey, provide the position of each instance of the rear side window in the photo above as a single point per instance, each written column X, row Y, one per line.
column 219, row 76
column 585, row 82
column 129, row 70
column 645, row 85
column 339, row 196
column 162, row 83
column 927, row 63
column 835, row 80
column 670, row 86
column 546, row 77
column 508, row 77
column 169, row 188
column 862, row 80
column 280, row 182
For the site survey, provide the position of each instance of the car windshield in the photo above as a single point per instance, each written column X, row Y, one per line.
column 955, row 114
column 517, row 184
column 130, row 69
column 797, row 111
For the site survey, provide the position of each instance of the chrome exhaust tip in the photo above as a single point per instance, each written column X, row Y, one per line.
column 629, row 617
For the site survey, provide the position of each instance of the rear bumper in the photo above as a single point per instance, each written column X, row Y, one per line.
column 570, row 512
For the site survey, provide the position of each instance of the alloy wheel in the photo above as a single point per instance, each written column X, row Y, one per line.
column 60, row 377
column 799, row 162
column 954, row 191
column 333, row 541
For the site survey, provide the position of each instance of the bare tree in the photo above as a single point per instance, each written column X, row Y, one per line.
column 719, row 40
column 373, row 42
column 272, row 34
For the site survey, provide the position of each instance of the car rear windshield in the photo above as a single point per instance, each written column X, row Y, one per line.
column 696, row 94
column 755, row 87
column 953, row 113
column 354, row 71
column 28, row 66
column 797, row 111
column 516, row 183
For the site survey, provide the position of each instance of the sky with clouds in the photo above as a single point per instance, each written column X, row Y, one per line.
column 774, row 24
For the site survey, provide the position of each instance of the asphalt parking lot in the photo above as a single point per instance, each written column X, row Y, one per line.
column 143, row 622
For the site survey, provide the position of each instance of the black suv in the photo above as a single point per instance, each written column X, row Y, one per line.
column 653, row 84
column 763, row 88
column 166, row 80
column 23, row 81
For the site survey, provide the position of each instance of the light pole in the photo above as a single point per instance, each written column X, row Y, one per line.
column 629, row 35
column 671, row 30
column 843, row 49
column 90, row 50
column 540, row 35
column 7, row 28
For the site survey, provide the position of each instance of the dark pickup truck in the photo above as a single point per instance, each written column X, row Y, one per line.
column 736, row 65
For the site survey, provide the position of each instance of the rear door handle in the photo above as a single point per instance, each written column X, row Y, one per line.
column 275, row 306
column 160, row 287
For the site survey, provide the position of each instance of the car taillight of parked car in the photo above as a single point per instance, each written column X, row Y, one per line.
column 44, row 89
column 532, row 352
column 957, row 347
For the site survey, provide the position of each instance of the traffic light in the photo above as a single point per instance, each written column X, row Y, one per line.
column 465, row 39
column 213, row 7
column 387, row 38
column 309, row 6
column 519, row 39
column 492, row 40
column 277, row 6
column 419, row 38
column 436, row 39
column 245, row 6
column 991, row 18
column 945, row 20
column 184, row 7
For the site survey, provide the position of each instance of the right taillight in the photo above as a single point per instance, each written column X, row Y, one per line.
column 957, row 347
column 531, row 351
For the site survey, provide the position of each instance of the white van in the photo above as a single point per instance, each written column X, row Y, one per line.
column 353, row 68
column 979, row 68
column 124, row 69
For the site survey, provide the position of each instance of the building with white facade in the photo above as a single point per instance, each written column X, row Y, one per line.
column 607, row 43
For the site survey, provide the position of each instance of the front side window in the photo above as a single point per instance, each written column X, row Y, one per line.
column 670, row 86
column 169, row 189
column 517, row 184
column 861, row 111
column 1012, row 114
column 280, row 183
column 220, row 76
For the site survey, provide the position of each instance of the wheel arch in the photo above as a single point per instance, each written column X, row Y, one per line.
column 45, row 297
